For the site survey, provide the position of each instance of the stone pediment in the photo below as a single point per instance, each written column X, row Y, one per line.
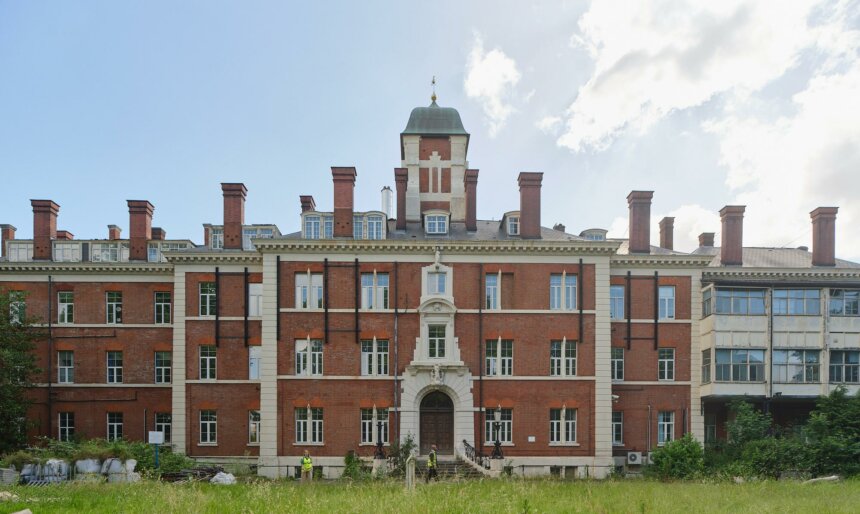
column 437, row 305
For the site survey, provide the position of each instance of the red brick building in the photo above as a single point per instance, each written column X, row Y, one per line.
column 259, row 345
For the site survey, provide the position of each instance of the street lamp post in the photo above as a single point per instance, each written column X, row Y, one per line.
column 497, row 425
column 380, row 452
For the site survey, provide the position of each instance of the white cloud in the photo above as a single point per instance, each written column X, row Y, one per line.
column 652, row 58
column 782, row 170
column 549, row 124
column 490, row 79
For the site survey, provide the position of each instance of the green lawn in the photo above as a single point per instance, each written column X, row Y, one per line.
column 485, row 496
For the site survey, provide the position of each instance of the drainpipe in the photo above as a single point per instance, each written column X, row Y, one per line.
column 50, row 355
column 481, row 286
column 396, row 356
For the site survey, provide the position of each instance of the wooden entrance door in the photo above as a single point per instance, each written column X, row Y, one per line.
column 437, row 423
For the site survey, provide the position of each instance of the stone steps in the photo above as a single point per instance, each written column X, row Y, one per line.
column 449, row 469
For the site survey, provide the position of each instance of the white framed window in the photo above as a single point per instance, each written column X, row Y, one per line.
column 370, row 419
column 374, row 357
column 845, row 302
column 65, row 367
column 153, row 254
column 513, row 225
column 616, row 302
column 374, row 290
column 208, row 362
column 743, row 302
column 491, row 291
column 436, row 223
column 845, row 366
column 357, row 226
column 328, row 226
column 665, row 427
column 247, row 235
column 208, row 299
column 499, row 357
column 217, row 238
column 562, row 358
column 796, row 366
column 65, row 307
column 706, row 366
column 309, row 425
column 114, row 426
column 617, row 428
column 163, row 363
column 796, row 302
column 113, row 306
column 374, row 227
column 309, row 357
column 67, row 252
column 740, row 365
column 107, row 252
column 20, row 252
column 164, row 423
column 562, row 425
column 114, row 367
column 309, row 290
column 162, row 308
column 66, row 426
column 254, row 427
column 505, row 426
column 254, row 353
column 208, row 427
column 436, row 341
column 562, row 292
column 667, row 302
column 312, row 227
column 617, row 363
column 436, row 282
column 666, row 364
column 17, row 307
column 255, row 299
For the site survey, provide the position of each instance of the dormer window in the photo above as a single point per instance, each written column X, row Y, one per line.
column 436, row 223
column 312, row 227
column 374, row 227
column 358, row 227
column 217, row 239
column 514, row 226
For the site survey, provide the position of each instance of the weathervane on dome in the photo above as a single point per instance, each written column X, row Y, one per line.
column 433, row 83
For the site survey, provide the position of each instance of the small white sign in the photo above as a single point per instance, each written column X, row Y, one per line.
column 531, row 438
column 156, row 438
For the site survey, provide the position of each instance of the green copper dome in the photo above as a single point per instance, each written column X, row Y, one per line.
column 435, row 121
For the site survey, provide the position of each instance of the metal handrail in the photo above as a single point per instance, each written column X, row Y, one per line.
column 475, row 456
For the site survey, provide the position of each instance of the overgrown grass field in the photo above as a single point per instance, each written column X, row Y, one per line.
column 635, row 496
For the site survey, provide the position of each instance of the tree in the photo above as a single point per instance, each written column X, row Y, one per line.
column 749, row 425
column 17, row 368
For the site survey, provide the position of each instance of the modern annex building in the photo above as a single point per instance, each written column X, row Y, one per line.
column 425, row 322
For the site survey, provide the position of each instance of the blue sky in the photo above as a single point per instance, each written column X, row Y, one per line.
column 707, row 105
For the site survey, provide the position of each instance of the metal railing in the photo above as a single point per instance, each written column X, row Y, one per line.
column 475, row 456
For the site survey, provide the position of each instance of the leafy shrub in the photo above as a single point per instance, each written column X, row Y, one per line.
column 398, row 454
column 772, row 457
column 19, row 459
column 679, row 459
column 748, row 425
column 354, row 467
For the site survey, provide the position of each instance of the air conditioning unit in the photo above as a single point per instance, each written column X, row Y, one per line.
column 634, row 458
column 650, row 458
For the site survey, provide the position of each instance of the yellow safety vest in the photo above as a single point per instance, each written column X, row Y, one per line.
column 307, row 463
column 431, row 462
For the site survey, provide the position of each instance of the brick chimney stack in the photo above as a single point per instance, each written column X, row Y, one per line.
column 65, row 235
column 732, row 247
column 344, row 188
column 639, row 203
column 667, row 233
column 470, row 180
column 114, row 232
column 44, row 228
column 530, row 184
column 7, row 233
column 139, row 228
column 308, row 203
column 401, row 176
column 824, row 236
column 234, row 213
column 158, row 234
column 706, row 239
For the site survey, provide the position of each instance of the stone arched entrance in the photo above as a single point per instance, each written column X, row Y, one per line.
column 437, row 423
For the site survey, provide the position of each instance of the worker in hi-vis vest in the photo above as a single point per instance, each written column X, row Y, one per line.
column 307, row 467
column 431, row 464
